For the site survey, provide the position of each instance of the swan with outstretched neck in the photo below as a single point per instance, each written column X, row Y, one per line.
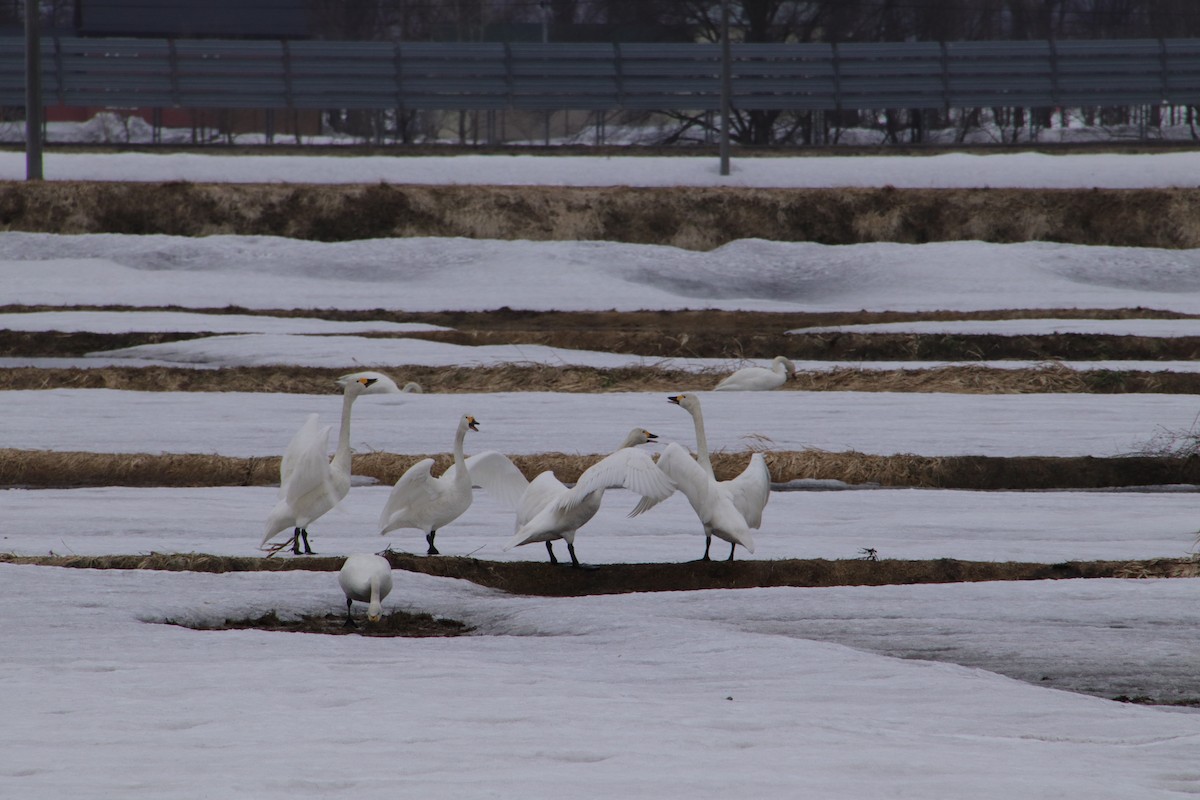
column 726, row 509
column 419, row 500
column 548, row 510
column 367, row 578
column 310, row 484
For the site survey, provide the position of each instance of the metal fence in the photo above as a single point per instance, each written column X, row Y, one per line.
column 231, row 74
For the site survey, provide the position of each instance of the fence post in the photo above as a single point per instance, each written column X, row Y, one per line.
column 33, row 93
column 726, row 86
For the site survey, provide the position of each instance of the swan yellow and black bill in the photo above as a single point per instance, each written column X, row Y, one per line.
column 674, row 398
column 472, row 423
column 367, row 381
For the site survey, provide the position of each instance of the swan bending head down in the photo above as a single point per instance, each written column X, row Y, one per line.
column 367, row 578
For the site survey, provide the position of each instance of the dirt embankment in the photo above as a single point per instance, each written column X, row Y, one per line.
column 697, row 219
column 557, row 580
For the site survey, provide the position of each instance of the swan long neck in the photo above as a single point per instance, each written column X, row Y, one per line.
column 701, row 441
column 375, row 607
column 459, row 460
column 341, row 456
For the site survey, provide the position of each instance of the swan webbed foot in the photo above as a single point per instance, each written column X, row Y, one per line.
column 432, row 551
column 550, row 550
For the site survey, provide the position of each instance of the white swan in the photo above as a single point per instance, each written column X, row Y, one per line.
column 548, row 510
column 309, row 483
column 727, row 509
column 367, row 578
column 758, row 379
column 419, row 500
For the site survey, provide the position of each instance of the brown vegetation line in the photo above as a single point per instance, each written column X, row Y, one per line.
column 966, row 379
column 550, row 580
column 697, row 218
column 46, row 469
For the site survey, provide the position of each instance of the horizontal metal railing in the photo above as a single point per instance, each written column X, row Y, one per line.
column 207, row 73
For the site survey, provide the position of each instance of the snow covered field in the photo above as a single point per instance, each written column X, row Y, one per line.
column 829, row 693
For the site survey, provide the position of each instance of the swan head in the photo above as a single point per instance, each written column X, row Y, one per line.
column 639, row 436
column 470, row 422
column 374, row 611
column 787, row 364
column 688, row 402
column 357, row 383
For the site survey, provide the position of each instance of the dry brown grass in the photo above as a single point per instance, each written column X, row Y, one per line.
column 544, row 579
column 963, row 379
column 699, row 219
column 52, row 469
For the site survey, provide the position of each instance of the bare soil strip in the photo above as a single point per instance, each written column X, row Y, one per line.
column 395, row 623
column 558, row 580
column 53, row 469
column 701, row 218
column 697, row 334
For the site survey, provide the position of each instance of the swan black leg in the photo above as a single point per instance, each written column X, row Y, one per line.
column 295, row 541
column 350, row 623
column 550, row 550
column 432, row 551
column 308, row 551
column 732, row 547
column 575, row 561
column 707, row 545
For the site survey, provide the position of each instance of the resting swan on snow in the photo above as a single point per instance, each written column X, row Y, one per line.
column 367, row 578
column 548, row 510
column 758, row 379
column 309, row 483
column 727, row 509
column 419, row 500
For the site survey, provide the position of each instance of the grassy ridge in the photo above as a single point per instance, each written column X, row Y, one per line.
column 49, row 469
column 697, row 219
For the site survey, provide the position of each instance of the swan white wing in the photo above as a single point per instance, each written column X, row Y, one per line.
column 543, row 490
column 750, row 490
column 751, row 379
column 309, row 491
column 627, row 468
column 416, row 489
column 498, row 476
column 301, row 442
column 688, row 476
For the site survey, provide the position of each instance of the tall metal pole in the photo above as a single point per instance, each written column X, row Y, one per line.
column 33, row 93
column 726, row 86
